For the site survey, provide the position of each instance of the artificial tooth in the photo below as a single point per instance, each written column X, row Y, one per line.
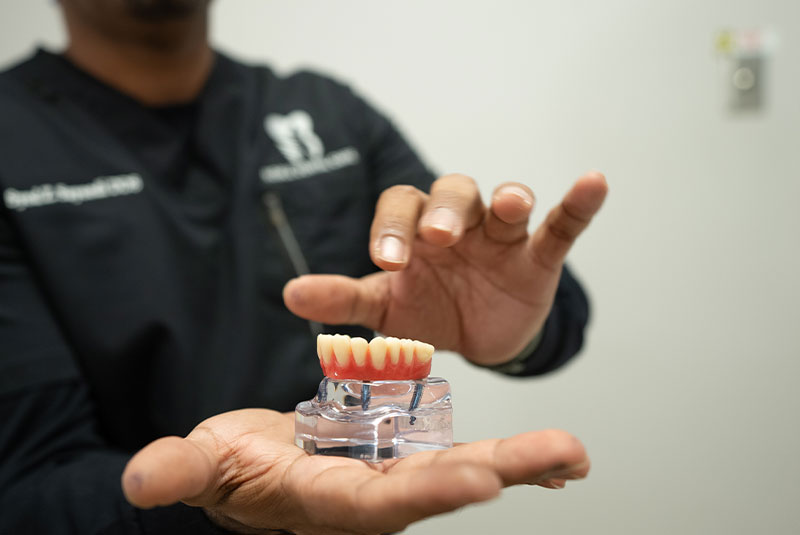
column 359, row 348
column 408, row 350
column 393, row 345
column 377, row 352
column 424, row 351
column 325, row 348
column 341, row 349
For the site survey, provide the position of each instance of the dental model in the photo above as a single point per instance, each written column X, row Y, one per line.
column 381, row 359
column 376, row 401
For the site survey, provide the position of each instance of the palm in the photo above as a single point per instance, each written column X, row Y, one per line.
column 453, row 297
column 244, row 469
column 311, row 493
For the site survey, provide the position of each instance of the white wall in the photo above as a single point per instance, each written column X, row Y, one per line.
column 686, row 394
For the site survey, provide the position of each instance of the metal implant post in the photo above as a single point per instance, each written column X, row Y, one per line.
column 415, row 398
column 365, row 396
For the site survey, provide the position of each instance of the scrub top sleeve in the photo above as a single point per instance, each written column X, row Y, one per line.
column 390, row 158
column 57, row 476
column 33, row 349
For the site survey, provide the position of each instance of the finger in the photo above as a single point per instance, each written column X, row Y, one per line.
column 552, row 240
column 389, row 502
column 411, row 497
column 394, row 226
column 167, row 471
column 527, row 458
column 336, row 299
column 453, row 207
column 507, row 220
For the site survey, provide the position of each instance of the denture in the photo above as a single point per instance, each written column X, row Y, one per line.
column 381, row 359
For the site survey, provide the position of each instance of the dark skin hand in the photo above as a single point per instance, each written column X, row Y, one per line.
column 244, row 470
column 458, row 274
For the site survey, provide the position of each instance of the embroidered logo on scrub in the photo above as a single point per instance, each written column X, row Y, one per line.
column 295, row 138
column 101, row 187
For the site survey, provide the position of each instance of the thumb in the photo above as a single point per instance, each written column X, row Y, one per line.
column 336, row 299
column 169, row 470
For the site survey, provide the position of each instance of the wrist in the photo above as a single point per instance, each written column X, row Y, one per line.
column 517, row 363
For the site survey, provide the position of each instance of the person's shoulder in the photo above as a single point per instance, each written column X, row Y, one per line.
column 303, row 83
column 21, row 83
column 11, row 76
column 22, row 93
column 315, row 79
column 21, row 64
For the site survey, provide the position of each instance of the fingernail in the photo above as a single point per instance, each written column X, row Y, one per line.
column 568, row 473
column 392, row 249
column 519, row 192
column 442, row 219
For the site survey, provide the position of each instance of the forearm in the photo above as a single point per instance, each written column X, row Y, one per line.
column 57, row 476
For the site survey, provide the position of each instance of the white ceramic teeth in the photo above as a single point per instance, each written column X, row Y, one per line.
column 407, row 348
column 393, row 349
column 358, row 347
column 378, row 353
column 341, row 349
column 325, row 348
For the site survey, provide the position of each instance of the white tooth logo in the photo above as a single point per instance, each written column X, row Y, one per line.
column 294, row 136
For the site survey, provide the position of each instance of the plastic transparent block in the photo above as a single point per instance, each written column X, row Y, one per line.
column 376, row 420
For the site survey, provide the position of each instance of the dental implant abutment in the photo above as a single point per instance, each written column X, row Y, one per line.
column 376, row 401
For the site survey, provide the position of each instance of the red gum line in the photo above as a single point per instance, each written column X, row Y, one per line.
column 390, row 372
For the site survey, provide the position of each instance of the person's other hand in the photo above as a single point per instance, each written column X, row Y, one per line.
column 457, row 274
column 244, row 470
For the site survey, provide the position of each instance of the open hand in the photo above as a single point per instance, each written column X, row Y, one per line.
column 244, row 470
column 457, row 274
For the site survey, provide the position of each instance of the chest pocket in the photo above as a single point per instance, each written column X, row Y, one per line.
column 329, row 216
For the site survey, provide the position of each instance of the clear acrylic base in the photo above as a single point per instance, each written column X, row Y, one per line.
column 376, row 420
